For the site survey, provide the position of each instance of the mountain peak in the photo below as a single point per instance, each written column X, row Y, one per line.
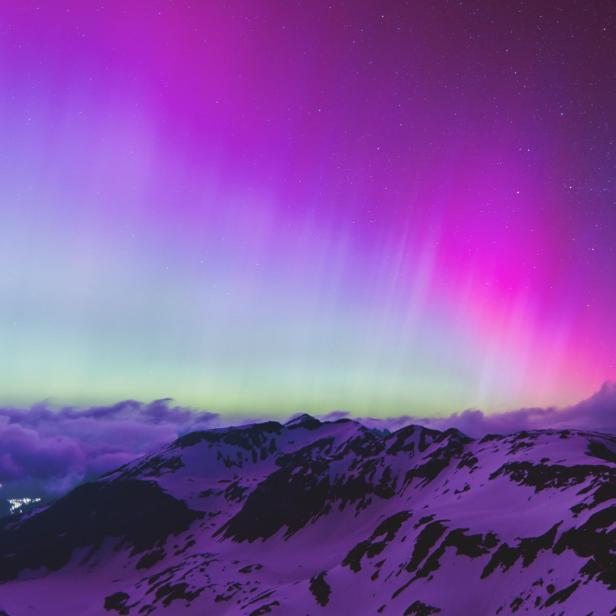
column 303, row 421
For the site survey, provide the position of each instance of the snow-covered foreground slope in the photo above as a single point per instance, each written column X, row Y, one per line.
column 329, row 518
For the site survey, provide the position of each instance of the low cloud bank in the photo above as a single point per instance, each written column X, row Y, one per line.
column 45, row 450
column 597, row 413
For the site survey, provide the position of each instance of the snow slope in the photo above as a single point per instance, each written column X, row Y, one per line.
column 328, row 518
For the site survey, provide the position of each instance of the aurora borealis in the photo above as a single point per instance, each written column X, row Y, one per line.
column 381, row 207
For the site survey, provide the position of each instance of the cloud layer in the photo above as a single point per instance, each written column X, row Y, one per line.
column 49, row 450
column 45, row 450
column 597, row 413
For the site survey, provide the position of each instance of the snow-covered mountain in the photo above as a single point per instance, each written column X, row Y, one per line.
column 318, row 517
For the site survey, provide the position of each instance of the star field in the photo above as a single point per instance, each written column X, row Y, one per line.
column 378, row 207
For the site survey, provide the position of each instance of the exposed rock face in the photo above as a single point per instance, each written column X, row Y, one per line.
column 329, row 518
column 135, row 512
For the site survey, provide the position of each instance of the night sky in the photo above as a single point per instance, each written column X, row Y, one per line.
column 382, row 207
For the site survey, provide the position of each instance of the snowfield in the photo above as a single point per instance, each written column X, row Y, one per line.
column 333, row 518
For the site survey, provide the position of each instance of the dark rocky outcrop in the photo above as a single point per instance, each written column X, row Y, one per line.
column 320, row 588
column 137, row 513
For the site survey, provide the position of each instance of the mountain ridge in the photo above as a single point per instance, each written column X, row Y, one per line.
column 329, row 517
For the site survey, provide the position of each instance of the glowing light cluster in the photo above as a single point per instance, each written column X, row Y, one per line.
column 17, row 504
